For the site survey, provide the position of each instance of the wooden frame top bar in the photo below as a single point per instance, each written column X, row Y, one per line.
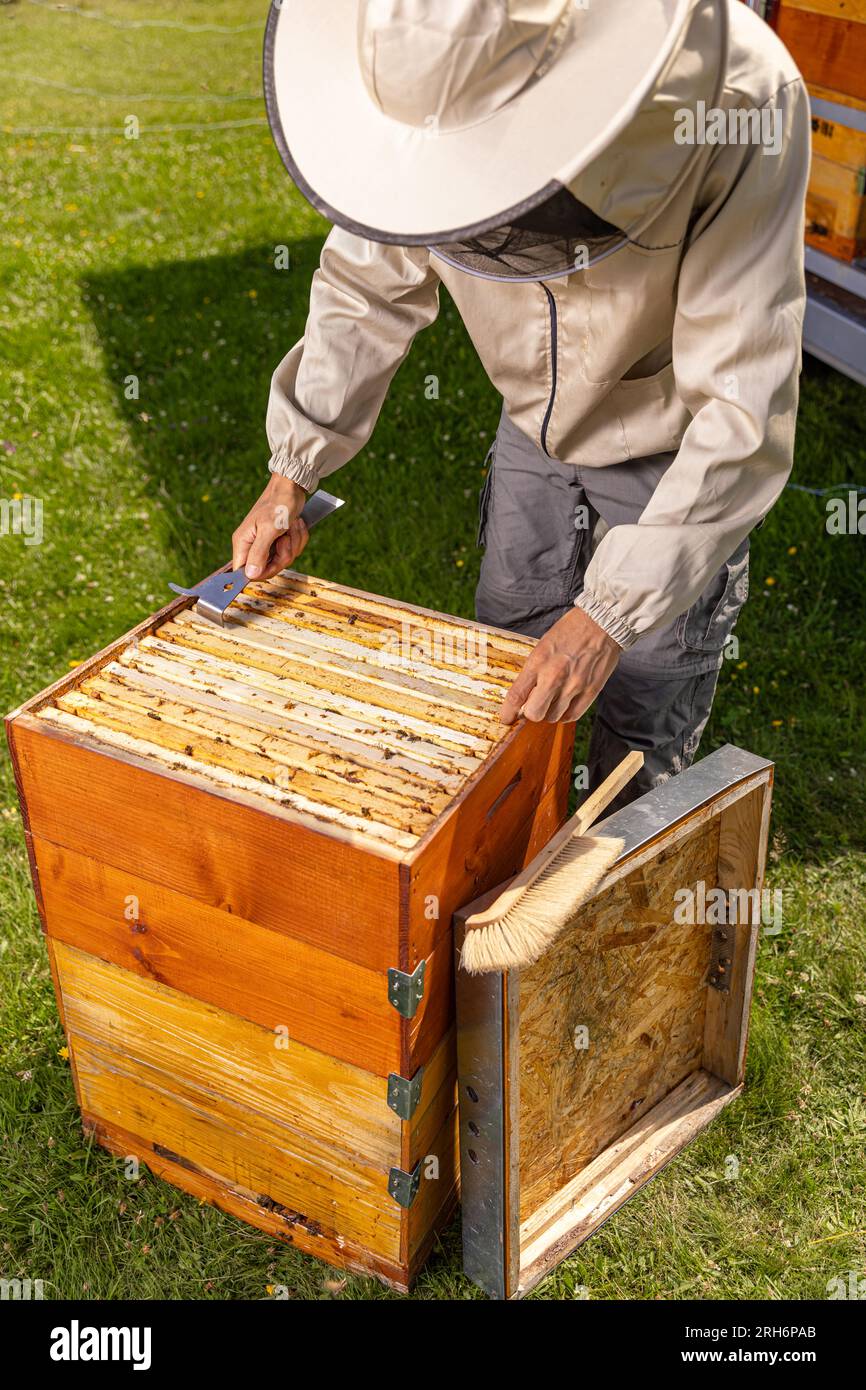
column 360, row 716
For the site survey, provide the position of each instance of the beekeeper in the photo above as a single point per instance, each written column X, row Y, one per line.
column 613, row 194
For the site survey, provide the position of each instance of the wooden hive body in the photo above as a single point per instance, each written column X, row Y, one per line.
column 583, row 1074
column 247, row 844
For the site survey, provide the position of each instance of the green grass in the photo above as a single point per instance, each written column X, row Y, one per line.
column 155, row 258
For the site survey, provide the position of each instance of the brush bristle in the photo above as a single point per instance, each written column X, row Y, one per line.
column 543, row 909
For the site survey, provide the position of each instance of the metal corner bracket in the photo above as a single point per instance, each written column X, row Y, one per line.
column 403, row 1187
column 404, row 1093
column 405, row 992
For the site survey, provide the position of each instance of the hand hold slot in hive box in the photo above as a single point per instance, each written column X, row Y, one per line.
column 247, row 844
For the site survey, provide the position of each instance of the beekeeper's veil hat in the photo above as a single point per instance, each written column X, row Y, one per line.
column 517, row 138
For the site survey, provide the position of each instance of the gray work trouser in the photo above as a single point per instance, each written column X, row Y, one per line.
column 660, row 695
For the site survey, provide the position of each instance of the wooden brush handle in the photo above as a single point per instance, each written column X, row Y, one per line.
column 600, row 799
column 579, row 824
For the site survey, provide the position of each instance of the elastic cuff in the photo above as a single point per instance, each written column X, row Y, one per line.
column 618, row 628
column 295, row 469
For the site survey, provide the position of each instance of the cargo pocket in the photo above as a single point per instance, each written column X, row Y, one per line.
column 707, row 625
column 484, row 497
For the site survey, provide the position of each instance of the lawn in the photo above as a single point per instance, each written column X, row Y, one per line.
column 148, row 265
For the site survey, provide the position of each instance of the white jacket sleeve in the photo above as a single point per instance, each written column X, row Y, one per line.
column 367, row 302
column 736, row 360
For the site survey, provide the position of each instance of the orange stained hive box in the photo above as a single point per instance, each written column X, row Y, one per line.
column 247, row 843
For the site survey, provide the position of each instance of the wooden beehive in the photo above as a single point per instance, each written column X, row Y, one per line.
column 582, row 1075
column 247, row 844
column 827, row 40
column 836, row 196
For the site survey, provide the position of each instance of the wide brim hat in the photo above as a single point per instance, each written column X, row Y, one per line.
column 423, row 121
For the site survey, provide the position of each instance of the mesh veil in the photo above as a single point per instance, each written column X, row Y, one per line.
column 555, row 238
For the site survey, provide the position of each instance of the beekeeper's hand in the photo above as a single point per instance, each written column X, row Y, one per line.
column 565, row 672
column 271, row 535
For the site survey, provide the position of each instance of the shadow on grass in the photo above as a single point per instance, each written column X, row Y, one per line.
column 189, row 347
column 203, row 338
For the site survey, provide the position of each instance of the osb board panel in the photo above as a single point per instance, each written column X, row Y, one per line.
column 600, row 1189
column 235, row 857
column 269, row 1076
column 282, row 1224
column 342, row 708
column 324, row 1001
column 635, row 979
column 491, row 832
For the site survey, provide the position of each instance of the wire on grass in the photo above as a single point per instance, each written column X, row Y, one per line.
column 127, row 96
column 825, row 491
column 146, row 23
column 118, row 129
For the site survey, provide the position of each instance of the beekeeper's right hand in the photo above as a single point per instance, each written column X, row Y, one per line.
column 271, row 535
